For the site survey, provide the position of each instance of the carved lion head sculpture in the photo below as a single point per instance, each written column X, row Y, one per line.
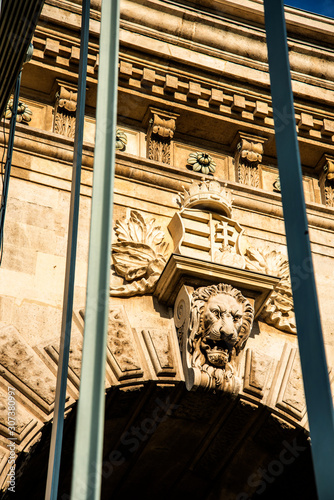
column 220, row 324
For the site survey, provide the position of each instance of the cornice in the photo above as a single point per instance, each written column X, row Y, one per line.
column 150, row 173
column 239, row 36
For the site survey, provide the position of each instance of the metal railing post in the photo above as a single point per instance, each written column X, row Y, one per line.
column 65, row 338
column 311, row 345
column 86, row 480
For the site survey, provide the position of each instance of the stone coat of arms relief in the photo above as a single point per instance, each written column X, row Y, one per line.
column 213, row 322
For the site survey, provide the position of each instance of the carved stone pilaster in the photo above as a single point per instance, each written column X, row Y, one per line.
column 161, row 128
column 326, row 181
column 248, row 157
column 65, row 110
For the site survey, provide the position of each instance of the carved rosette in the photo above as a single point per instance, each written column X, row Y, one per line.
column 24, row 114
column 326, row 181
column 248, row 157
column 65, row 110
column 139, row 255
column 201, row 162
column 159, row 135
column 213, row 325
column 121, row 140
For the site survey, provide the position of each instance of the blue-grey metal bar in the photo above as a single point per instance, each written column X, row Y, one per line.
column 86, row 480
column 65, row 338
column 311, row 345
column 8, row 164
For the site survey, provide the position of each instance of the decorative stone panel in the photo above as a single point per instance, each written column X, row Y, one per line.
column 23, row 369
column 159, row 346
column 259, row 368
column 291, row 393
column 122, row 354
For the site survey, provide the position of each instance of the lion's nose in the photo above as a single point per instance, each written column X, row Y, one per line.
column 227, row 328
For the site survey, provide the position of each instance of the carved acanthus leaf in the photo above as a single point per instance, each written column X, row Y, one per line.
column 139, row 256
column 279, row 309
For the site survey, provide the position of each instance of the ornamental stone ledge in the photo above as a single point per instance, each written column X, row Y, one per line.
column 181, row 270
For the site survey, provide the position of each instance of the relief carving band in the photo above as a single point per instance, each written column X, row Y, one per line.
column 220, row 323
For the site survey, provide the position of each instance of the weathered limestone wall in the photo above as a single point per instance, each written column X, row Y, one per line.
column 190, row 82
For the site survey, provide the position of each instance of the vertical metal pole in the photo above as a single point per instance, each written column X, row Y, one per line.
column 86, row 480
column 311, row 346
column 65, row 339
column 8, row 164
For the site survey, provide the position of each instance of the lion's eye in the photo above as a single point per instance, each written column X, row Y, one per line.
column 236, row 318
column 216, row 313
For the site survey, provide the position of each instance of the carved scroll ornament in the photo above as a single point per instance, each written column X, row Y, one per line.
column 220, row 323
column 139, row 255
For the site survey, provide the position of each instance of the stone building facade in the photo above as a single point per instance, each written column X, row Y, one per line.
column 204, row 393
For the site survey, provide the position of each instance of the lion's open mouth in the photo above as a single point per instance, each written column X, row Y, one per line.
column 217, row 352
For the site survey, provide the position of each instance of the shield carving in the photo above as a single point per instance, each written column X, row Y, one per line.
column 208, row 236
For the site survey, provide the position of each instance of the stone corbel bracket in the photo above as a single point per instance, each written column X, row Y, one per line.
column 248, row 157
column 160, row 132
column 66, row 95
column 179, row 280
column 65, row 109
column 326, row 179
